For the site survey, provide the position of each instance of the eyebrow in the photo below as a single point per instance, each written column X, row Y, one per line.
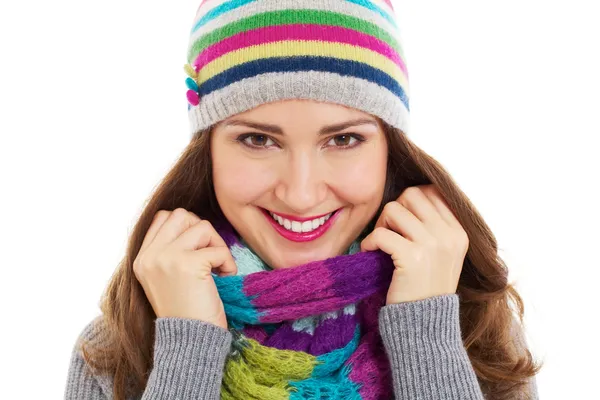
column 276, row 130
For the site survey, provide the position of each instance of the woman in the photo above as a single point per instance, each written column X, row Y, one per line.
column 303, row 247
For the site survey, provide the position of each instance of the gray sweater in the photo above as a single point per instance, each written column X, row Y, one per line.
column 422, row 340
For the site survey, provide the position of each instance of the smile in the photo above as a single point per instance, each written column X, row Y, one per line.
column 301, row 229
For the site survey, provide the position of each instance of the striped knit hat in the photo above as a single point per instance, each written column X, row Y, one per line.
column 244, row 53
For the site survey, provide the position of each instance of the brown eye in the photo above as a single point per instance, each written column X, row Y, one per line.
column 345, row 141
column 255, row 140
column 342, row 140
column 258, row 140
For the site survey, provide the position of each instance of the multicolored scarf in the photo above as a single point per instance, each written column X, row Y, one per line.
column 307, row 332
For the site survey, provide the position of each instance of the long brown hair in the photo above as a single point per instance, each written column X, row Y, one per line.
column 488, row 301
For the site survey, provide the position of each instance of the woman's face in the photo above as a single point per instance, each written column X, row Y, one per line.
column 299, row 179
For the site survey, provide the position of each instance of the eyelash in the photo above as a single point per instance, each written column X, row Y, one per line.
column 242, row 139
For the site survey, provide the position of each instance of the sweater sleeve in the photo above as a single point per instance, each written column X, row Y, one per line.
column 424, row 345
column 189, row 356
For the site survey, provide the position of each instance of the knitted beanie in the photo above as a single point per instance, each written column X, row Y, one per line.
column 244, row 53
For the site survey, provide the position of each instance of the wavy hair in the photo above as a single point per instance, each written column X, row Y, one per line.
column 491, row 310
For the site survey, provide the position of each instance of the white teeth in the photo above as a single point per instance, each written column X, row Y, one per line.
column 314, row 224
column 297, row 226
column 307, row 226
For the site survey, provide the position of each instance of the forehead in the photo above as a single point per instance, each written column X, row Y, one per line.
column 301, row 113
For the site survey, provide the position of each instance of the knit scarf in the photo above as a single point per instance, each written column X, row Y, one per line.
column 306, row 332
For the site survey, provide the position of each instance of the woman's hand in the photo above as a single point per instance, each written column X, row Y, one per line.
column 174, row 267
column 427, row 244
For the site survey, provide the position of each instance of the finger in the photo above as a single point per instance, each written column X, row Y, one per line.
column 415, row 200
column 199, row 236
column 387, row 241
column 157, row 222
column 218, row 258
column 177, row 223
column 442, row 207
column 399, row 219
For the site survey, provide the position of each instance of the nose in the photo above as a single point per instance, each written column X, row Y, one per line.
column 302, row 184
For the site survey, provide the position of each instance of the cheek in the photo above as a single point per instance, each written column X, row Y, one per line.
column 361, row 182
column 237, row 181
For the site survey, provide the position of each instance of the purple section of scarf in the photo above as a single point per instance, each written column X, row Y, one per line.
column 227, row 232
column 368, row 310
column 333, row 333
column 330, row 334
column 369, row 273
column 318, row 286
column 286, row 338
column 255, row 332
column 295, row 285
column 287, row 312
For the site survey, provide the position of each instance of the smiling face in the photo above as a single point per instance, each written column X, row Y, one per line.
column 299, row 179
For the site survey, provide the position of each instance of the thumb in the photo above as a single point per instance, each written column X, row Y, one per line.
column 217, row 258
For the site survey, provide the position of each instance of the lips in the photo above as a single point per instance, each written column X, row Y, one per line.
column 301, row 229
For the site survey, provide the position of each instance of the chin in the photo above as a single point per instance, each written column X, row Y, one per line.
column 289, row 259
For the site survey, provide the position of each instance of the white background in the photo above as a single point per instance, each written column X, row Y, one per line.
column 93, row 114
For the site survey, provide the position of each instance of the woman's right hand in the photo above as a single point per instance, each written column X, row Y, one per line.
column 174, row 267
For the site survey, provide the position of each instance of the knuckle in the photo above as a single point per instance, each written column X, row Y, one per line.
column 430, row 189
column 161, row 214
column 403, row 199
column 180, row 213
column 389, row 207
column 379, row 232
column 139, row 265
column 409, row 195
column 463, row 239
column 205, row 226
column 219, row 252
column 411, row 191
column 136, row 265
column 193, row 216
column 230, row 256
column 180, row 218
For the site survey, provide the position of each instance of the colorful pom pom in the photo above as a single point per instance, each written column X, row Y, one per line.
column 191, row 84
column 193, row 94
column 193, row 97
column 190, row 71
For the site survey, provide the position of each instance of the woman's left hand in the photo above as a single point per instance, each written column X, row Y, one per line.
column 427, row 243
